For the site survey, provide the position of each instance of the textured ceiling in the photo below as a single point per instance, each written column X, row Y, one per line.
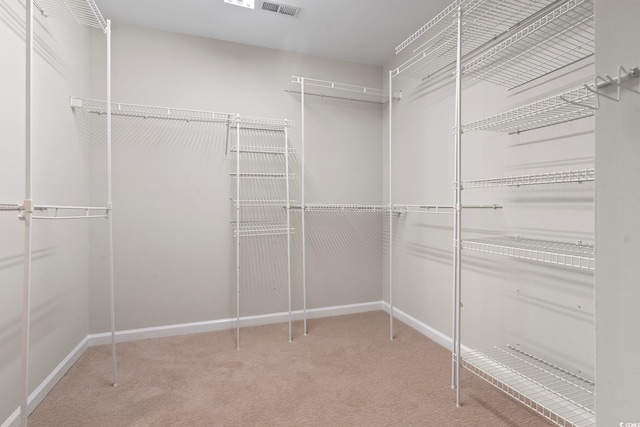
column 362, row 31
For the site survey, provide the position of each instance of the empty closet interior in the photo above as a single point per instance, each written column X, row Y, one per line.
column 155, row 184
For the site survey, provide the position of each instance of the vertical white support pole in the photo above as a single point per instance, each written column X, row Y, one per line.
column 238, row 153
column 288, row 208
column 110, row 212
column 26, row 217
column 390, row 207
column 302, row 202
column 458, row 206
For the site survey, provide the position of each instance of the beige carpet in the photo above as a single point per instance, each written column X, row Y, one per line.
column 346, row 372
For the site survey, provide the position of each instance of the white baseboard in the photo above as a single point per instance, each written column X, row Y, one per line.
column 222, row 324
column 38, row 395
column 423, row 328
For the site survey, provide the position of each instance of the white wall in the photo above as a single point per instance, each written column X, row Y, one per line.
column 60, row 271
column 174, row 258
column 617, row 231
column 505, row 301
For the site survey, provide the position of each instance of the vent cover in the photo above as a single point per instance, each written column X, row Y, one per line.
column 283, row 9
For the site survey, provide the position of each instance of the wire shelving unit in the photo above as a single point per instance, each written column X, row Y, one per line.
column 557, row 177
column 561, row 37
column 577, row 255
column 564, row 107
column 329, row 89
column 561, row 396
column 435, row 43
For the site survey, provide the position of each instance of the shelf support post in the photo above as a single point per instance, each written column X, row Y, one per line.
column 110, row 212
column 390, row 207
column 238, row 151
column 303, row 211
column 288, row 209
column 26, row 217
column 458, row 213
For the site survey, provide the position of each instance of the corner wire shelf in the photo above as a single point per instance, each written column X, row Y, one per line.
column 261, row 228
column 147, row 111
column 84, row 12
column 559, row 38
column 329, row 89
column 559, row 177
column 482, row 22
column 262, row 175
column 564, row 107
column 575, row 255
column 559, row 395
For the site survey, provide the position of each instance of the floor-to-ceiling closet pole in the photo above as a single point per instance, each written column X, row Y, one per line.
column 458, row 207
column 110, row 211
column 304, row 249
column 238, row 152
column 390, row 210
column 26, row 217
column 288, row 208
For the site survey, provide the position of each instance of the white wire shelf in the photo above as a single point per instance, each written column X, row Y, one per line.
column 261, row 202
column 318, row 207
column 564, row 107
column 576, row 255
column 147, row 111
column 262, row 175
column 483, row 21
column 336, row 90
column 262, row 149
column 558, row 177
column 84, row 12
column 437, row 209
column 261, row 228
column 559, row 395
column 559, row 38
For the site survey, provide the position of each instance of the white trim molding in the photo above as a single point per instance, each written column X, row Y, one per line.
column 38, row 395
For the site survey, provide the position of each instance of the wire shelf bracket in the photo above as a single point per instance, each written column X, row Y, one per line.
column 563, row 397
column 576, row 255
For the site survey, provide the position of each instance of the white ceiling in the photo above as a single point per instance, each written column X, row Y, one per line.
column 362, row 31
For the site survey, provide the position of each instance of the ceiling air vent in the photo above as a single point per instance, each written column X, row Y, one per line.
column 283, row 9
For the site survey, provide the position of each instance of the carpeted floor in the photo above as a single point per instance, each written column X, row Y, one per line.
column 346, row 372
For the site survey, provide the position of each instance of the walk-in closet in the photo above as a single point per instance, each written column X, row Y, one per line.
column 356, row 212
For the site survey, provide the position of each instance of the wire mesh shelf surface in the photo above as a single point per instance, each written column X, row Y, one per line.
column 576, row 255
column 564, row 107
column 482, row 21
column 559, row 38
column 146, row 111
column 345, row 208
column 261, row 228
column 336, row 90
column 262, row 149
column 261, row 202
column 84, row 12
column 559, row 395
column 262, row 175
column 559, row 177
